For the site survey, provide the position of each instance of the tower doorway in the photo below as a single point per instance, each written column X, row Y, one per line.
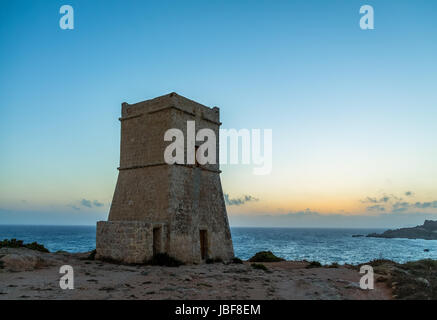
column 157, row 239
column 203, row 244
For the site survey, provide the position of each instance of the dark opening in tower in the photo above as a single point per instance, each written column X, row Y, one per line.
column 203, row 244
column 157, row 236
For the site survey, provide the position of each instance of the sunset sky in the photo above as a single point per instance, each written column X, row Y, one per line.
column 353, row 112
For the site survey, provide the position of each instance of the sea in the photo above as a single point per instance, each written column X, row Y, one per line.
column 312, row 244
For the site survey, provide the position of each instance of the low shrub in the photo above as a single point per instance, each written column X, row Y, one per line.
column 379, row 262
column 92, row 255
column 421, row 265
column 414, row 280
column 333, row 265
column 265, row 256
column 237, row 260
column 259, row 266
column 214, row 260
column 313, row 264
column 163, row 259
column 14, row 243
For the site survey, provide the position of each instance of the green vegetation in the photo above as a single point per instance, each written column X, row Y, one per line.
column 163, row 259
column 259, row 266
column 314, row 264
column 380, row 262
column 415, row 280
column 422, row 265
column 215, row 260
column 265, row 256
column 237, row 260
column 14, row 243
column 333, row 265
column 92, row 255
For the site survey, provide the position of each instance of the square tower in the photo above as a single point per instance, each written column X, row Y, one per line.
column 178, row 209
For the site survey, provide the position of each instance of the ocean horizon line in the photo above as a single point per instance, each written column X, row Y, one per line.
column 247, row 227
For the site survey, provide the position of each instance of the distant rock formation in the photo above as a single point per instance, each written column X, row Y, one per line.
column 427, row 231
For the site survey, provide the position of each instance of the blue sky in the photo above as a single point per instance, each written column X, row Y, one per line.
column 352, row 112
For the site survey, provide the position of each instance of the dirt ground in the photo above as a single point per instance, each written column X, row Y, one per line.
column 102, row 280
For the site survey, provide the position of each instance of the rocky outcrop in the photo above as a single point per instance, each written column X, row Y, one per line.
column 427, row 231
column 414, row 280
column 23, row 259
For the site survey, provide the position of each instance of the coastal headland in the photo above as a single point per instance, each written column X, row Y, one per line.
column 426, row 231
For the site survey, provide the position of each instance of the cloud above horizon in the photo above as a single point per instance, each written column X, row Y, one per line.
column 97, row 203
column 394, row 204
column 376, row 207
column 384, row 199
column 239, row 201
column 312, row 219
column 86, row 203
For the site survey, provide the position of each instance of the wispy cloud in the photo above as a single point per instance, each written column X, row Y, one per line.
column 97, row 203
column 73, row 206
column 376, row 207
column 381, row 200
column 400, row 206
column 394, row 204
column 309, row 218
column 86, row 203
column 425, row 205
column 239, row 201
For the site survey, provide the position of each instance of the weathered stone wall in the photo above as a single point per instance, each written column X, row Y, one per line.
column 196, row 198
column 197, row 203
column 142, row 187
column 141, row 195
column 127, row 241
column 213, row 217
column 142, row 138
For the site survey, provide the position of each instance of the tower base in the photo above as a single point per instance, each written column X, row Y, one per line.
column 138, row 241
column 124, row 241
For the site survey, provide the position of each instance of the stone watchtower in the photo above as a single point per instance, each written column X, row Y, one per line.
column 177, row 209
